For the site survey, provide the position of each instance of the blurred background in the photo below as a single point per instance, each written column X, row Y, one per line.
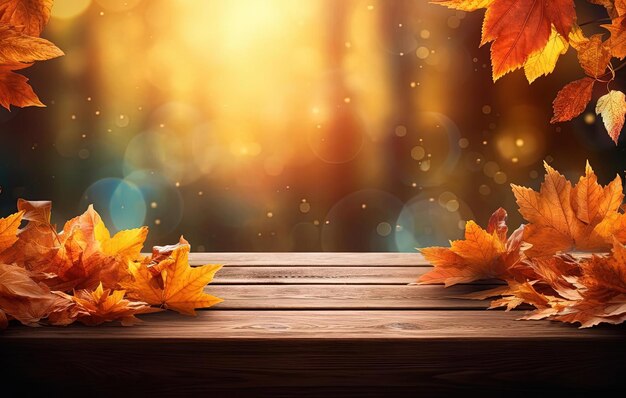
column 281, row 125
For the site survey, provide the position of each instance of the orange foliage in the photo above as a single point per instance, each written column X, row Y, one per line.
column 50, row 277
column 534, row 261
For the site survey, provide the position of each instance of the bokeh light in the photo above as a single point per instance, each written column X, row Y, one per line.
column 276, row 125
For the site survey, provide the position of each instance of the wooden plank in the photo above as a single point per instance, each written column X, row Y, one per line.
column 253, row 353
column 363, row 325
column 323, row 275
column 316, row 259
column 345, row 296
column 310, row 259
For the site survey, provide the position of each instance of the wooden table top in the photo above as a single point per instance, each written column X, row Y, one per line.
column 331, row 322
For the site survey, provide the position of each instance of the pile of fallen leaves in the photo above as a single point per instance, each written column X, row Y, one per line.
column 533, row 34
column 534, row 261
column 21, row 23
column 84, row 274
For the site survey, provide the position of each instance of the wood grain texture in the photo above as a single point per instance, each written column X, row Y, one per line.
column 397, row 325
column 320, row 324
column 306, row 259
column 314, row 275
column 345, row 296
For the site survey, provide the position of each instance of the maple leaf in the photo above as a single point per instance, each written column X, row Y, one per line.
column 572, row 99
column 483, row 254
column 170, row 282
column 16, row 47
column 522, row 29
column 612, row 107
column 562, row 217
column 519, row 28
column 102, row 305
column 81, row 256
column 8, row 230
column 14, row 88
column 603, row 291
column 30, row 16
column 594, row 56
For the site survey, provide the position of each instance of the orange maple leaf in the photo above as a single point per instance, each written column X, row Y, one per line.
column 81, row 256
column 484, row 254
column 167, row 280
column 8, row 230
column 603, row 291
column 21, row 23
column 29, row 16
column 561, row 217
column 99, row 306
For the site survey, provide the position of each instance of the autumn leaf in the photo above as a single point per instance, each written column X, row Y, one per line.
column 562, row 217
column 612, row 107
column 617, row 41
column 603, row 290
column 572, row 100
column 21, row 22
column 464, row 5
column 80, row 257
column 172, row 283
column 594, row 56
column 14, row 88
column 25, row 300
column 102, row 305
column 30, row 16
column 8, row 230
column 543, row 61
column 483, row 254
column 16, row 47
column 520, row 28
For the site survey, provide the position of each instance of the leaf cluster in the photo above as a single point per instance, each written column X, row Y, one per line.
column 83, row 274
column 536, row 260
column 533, row 34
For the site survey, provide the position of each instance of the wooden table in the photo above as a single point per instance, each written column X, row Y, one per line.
column 320, row 323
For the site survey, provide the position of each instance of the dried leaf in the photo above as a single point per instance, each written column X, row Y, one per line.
column 572, row 100
column 14, row 88
column 483, row 254
column 175, row 285
column 16, row 47
column 594, row 56
column 30, row 16
column 105, row 305
column 612, row 107
column 8, row 230
column 563, row 217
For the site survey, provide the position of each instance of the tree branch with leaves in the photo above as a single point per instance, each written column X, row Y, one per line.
column 533, row 34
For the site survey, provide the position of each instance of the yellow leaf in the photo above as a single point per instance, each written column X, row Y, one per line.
column 8, row 230
column 612, row 107
column 105, row 305
column 173, row 284
column 543, row 62
column 464, row 5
